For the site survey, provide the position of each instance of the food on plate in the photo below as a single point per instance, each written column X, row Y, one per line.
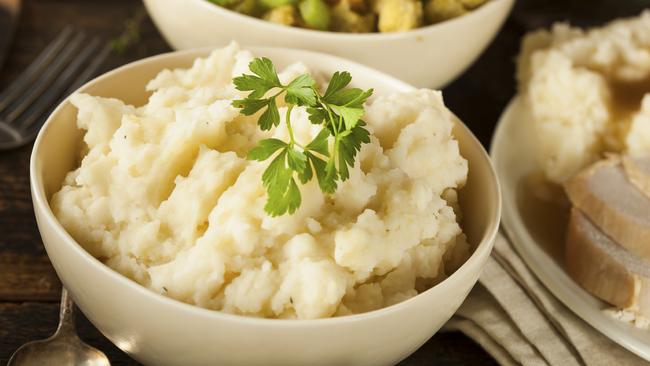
column 398, row 15
column 586, row 91
column 345, row 19
column 607, row 246
column 353, row 16
column 638, row 172
column 172, row 194
column 604, row 193
column 606, row 269
column 630, row 317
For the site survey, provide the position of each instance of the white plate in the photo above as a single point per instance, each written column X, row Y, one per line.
column 512, row 154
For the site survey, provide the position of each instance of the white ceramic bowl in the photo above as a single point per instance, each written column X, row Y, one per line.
column 429, row 57
column 157, row 330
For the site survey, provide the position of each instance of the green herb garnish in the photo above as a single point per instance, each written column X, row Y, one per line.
column 338, row 111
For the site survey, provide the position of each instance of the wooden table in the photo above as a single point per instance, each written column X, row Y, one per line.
column 29, row 288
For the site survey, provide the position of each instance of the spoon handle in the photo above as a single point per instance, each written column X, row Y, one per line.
column 66, row 314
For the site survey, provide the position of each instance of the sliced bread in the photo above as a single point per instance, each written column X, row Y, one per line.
column 605, row 195
column 604, row 268
column 637, row 170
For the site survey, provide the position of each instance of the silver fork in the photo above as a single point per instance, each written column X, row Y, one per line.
column 61, row 68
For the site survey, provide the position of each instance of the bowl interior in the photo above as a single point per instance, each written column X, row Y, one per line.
column 57, row 147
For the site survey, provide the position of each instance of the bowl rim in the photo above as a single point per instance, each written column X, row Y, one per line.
column 42, row 206
column 331, row 35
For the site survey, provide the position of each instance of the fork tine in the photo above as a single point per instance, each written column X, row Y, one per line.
column 35, row 68
column 55, row 91
column 39, row 86
column 92, row 68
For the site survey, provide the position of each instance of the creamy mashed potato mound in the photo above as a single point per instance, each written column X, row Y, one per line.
column 587, row 92
column 165, row 196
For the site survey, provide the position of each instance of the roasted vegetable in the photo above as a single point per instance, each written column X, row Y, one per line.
column 353, row 16
column 344, row 19
column 399, row 15
column 283, row 14
column 315, row 14
column 439, row 10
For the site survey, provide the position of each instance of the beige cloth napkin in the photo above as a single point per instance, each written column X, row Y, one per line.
column 519, row 322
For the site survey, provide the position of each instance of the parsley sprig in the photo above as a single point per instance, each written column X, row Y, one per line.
column 328, row 156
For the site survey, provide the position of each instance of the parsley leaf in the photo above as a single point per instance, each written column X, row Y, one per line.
column 265, row 148
column 349, row 146
column 316, row 115
column 326, row 178
column 263, row 67
column 350, row 115
column 319, row 143
column 285, row 201
column 301, row 91
column 349, row 97
column 308, row 173
column 338, row 81
column 255, row 84
column 283, row 193
column 270, row 117
column 329, row 177
column 297, row 160
column 265, row 78
column 277, row 175
column 250, row 106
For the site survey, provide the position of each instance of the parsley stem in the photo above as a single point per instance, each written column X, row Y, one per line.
column 336, row 149
column 329, row 114
column 289, row 108
column 278, row 93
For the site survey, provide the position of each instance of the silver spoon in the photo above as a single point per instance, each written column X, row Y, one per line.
column 63, row 348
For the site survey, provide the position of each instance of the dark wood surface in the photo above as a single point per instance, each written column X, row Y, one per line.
column 29, row 288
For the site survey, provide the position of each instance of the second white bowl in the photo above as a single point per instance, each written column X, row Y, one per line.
column 430, row 56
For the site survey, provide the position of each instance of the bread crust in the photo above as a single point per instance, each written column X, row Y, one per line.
column 625, row 229
column 606, row 276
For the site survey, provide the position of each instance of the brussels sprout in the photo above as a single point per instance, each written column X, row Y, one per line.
column 315, row 13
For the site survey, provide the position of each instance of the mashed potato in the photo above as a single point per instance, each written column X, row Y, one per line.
column 587, row 92
column 165, row 196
